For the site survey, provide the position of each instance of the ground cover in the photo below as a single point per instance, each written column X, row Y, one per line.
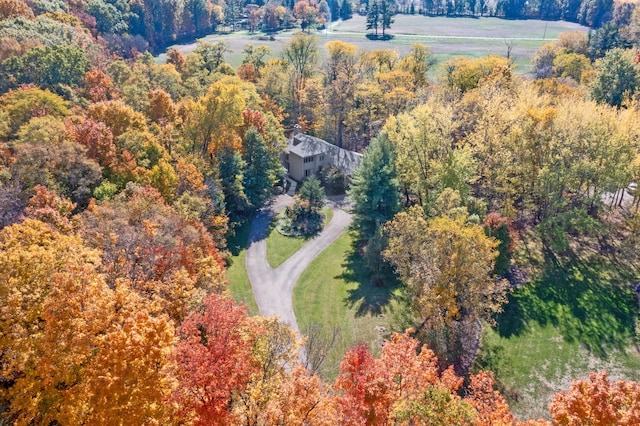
column 239, row 283
column 335, row 292
column 577, row 315
column 280, row 247
column 446, row 36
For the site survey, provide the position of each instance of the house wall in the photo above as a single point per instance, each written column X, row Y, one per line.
column 326, row 162
column 296, row 167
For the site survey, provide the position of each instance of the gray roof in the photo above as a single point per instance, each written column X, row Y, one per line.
column 306, row 146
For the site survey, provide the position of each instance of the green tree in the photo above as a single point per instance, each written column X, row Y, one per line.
column 231, row 168
column 616, row 77
column 346, row 10
column 312, row 191
column 109, row 18
column 373, row 16
column 305, row 216
column 386, row 13
column 374, row 188
column 212, row 54
column 262, row 170
column 47, row 66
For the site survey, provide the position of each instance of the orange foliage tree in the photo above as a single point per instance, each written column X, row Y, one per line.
column 213, row 361
column 74, row 349
column 597, row 401
column 172, row 262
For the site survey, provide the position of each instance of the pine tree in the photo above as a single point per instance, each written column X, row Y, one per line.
column 346, row 10
column 386, row 12
column 262, row 170
column 373, row 16
column 374, row 188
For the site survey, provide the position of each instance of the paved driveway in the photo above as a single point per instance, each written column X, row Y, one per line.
column 273, row 288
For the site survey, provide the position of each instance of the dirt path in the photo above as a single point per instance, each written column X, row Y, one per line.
column 273, row 288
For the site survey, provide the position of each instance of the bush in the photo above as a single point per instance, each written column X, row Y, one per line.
column 333, row 180
column 304, row 217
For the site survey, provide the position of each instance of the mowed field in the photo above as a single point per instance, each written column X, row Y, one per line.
column 447, row 37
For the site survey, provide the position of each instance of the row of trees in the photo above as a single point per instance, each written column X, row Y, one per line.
column 127, row 26
column 379, row 15
column 587, row 12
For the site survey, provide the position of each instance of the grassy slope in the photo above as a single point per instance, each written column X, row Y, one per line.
column 333, row 292
column 447, row 37
column 577, row 316
column 239, row 283
column 281, row 248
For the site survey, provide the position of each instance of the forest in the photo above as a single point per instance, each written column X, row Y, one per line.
column 481, row 191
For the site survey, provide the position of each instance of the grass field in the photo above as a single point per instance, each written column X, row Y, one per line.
column 447, row 37
column 578, row 315
column 334, row 292
column 280, row 248
column 239, row 283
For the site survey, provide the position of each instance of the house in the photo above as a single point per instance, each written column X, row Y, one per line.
column 307, row 154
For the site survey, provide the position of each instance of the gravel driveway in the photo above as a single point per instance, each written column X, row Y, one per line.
column 273, row 288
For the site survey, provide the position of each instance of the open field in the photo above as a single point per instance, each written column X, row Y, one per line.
column 577, row 315
column 535, row 364
column 447, row 37
column 334, row 292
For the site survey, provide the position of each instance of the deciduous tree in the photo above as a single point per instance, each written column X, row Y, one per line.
column 213, row 361
column 597, row 400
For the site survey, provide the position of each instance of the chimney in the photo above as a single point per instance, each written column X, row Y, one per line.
column 297, row 130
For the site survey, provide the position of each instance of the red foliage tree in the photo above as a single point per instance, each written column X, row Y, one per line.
column 98, row 140
column 254, row 118
column 363, row 387
column 213, row 361
column 49, row 207
column 98, row 86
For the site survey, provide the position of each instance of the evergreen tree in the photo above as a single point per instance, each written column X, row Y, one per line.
column 312, row 191
column 386, row 12
column 263, row 169
column 374, row 188
column 231, row 169
column 346, row 10
column 334, row 7
column 373, row 16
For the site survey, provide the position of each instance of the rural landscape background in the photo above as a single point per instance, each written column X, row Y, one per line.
column 480, row 266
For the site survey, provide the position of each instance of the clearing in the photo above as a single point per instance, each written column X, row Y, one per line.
column 446, row 36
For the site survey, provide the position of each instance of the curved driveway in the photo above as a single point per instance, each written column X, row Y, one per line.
column 273, row 288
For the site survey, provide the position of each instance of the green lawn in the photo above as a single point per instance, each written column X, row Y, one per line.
column 280, row 248
column 239, row 283
column 447, row 37
column 333, row 292
column 577, row 316
column 532, row 366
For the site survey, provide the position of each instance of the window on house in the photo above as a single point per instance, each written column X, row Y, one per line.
column 308, row 159
column 307, row 172
column 322, row 158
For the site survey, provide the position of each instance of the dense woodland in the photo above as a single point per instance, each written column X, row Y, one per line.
column 121, row 180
